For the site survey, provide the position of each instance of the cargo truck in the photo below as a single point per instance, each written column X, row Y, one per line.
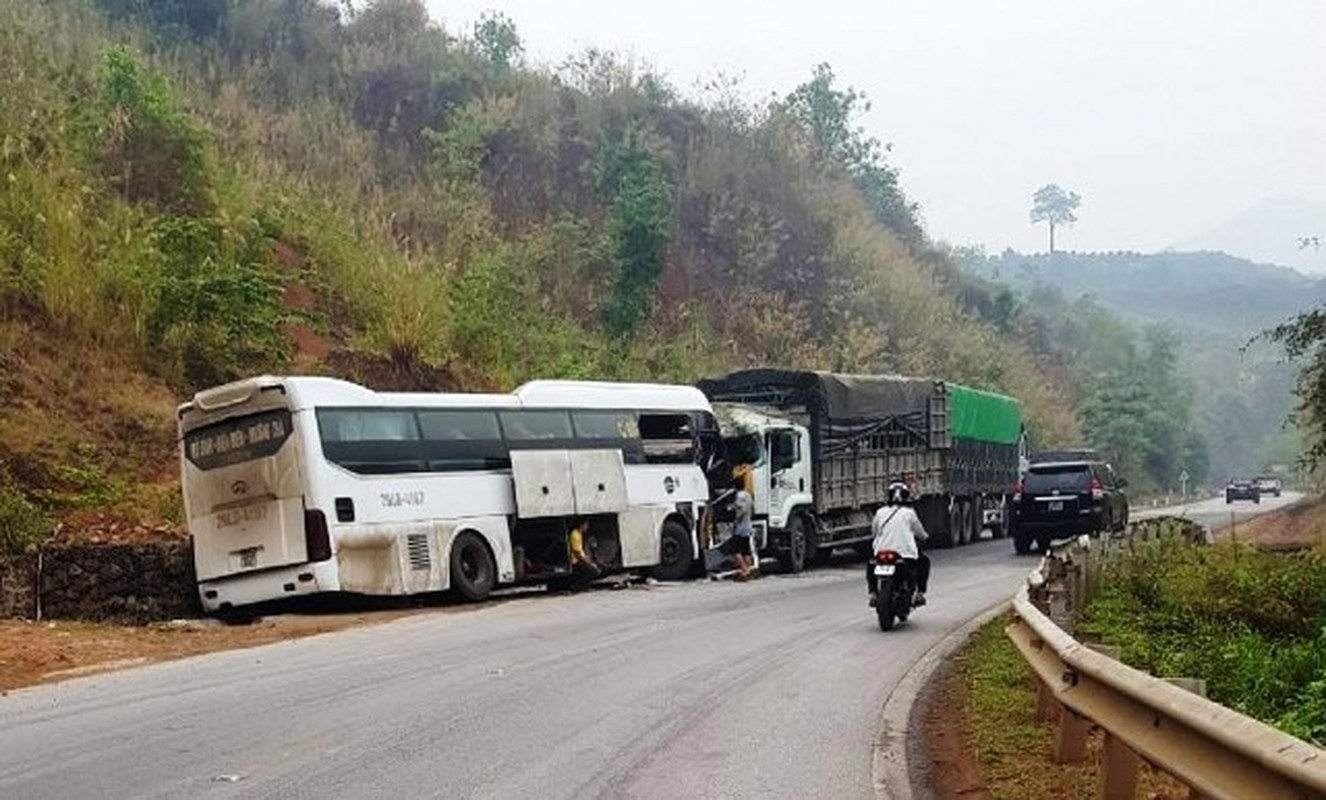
column 823, row 448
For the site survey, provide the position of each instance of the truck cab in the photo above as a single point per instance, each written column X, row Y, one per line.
column 777, row 450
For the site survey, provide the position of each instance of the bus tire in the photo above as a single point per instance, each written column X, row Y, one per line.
column 473, row 573
column 674, row 552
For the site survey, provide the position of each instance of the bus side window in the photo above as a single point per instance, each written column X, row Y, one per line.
column 669, row 438
column 462, row 440
column 610, row 429
column 371, row 441
column 536, row 429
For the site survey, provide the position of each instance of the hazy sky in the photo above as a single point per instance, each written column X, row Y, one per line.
column 1169, row 117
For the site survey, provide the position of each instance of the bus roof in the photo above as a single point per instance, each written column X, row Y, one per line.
column 311, row 392
column 606, row 394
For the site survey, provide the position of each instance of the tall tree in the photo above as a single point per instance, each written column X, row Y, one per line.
column 497, row 40
column 829, row 115
column 1053, row 205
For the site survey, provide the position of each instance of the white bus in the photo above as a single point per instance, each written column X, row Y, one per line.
column 301, row 485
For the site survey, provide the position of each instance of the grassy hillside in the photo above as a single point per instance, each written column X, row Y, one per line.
column 195, row 190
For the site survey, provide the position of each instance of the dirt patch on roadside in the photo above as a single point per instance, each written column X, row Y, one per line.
column 953, row 768
column 1300, row 526
column 41, row 652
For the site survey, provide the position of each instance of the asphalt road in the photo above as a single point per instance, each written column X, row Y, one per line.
column 767, row 689
column 1217, row 515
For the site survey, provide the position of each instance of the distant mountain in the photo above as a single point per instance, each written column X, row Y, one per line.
column 1208, row 291
column 1216, row 303
column 1269, row 232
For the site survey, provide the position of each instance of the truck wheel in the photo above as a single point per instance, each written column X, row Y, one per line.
column 674, row 552
column 1021, row 543
column 473, row 572
column 971, row 521
column 798, row 543
column 955, row 525
column 1005, row 526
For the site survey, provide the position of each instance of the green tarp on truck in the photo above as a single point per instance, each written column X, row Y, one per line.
column 983, row 416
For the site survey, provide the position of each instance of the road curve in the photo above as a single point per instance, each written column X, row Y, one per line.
column 767, row 689
column 1217, row 515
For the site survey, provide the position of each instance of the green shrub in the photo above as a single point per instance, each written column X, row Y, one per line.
column 217, row 313
column 1251, row 624
column 22, row 523
column 143, row 143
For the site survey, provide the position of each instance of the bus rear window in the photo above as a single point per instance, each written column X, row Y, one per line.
column 239, row 439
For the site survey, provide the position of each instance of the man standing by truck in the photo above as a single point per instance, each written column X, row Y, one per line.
column 740, row 545
column 897, row 527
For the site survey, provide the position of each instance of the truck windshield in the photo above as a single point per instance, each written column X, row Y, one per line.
column 745, row 448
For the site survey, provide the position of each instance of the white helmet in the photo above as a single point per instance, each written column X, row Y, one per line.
column 899, row 493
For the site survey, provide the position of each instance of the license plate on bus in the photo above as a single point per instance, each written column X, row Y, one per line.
column 1056, row 505
column 248, row 558
column 884, row 569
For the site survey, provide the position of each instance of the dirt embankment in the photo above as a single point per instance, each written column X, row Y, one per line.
column 1301, row 526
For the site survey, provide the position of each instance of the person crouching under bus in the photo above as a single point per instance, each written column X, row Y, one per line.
column 584, row 570
column 897, row 527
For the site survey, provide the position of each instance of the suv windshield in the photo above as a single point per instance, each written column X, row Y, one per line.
column 1069, row 477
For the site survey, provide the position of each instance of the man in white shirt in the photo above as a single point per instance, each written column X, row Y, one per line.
column 897, row 527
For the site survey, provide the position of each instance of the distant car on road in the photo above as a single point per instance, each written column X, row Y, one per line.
column 1269, row 484
column 1242, row 489
column 1063, row 498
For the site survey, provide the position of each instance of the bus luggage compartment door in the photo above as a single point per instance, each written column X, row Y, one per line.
column 599, row 481
column 543, row 483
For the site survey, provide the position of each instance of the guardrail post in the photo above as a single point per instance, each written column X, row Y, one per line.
column 1070, row 746
column 1059, row 604
column 1118, row 771
column 1046, row 705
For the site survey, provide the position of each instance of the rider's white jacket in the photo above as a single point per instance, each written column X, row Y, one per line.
column 898, row 528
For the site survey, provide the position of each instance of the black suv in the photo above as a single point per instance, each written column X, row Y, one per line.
column 1055, row 499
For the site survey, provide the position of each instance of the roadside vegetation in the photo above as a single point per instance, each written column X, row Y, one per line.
column 1251, row 624
column 998, row 688
column 196, row 191
column 1006, row 752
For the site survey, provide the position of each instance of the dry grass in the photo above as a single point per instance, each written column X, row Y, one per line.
column 1301, row 526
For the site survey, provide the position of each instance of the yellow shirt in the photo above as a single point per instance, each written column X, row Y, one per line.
column 745, row 478
column 576, row 542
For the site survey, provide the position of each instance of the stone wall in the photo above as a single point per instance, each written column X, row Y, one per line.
column 17, row 587
column 131, row 583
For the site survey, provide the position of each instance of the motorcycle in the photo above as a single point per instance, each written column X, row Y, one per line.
column 893, row 589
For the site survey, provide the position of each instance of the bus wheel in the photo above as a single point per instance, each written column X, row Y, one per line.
column 473, row 572
column 674, row 552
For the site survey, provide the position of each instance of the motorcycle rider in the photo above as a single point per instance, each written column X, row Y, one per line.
column 897, row 527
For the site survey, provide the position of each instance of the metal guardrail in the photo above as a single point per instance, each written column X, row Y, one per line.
column 1216, row 751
